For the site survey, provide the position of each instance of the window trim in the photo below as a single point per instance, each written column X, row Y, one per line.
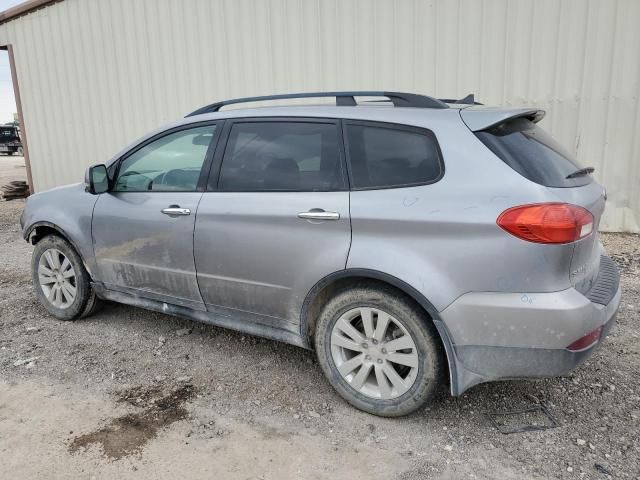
column 390, row 126
column 213, row 184
column 206, row 164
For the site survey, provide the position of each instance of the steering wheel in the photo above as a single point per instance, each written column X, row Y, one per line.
column 130, row 173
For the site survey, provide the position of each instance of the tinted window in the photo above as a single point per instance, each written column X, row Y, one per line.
column 281, row 156
column 392, row 157
column 171, row 163
column 531, row 152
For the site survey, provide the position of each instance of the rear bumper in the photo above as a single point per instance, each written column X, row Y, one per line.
column 495, row 336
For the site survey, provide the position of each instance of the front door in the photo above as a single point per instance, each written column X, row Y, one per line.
column 143, row 228
column 275, row 220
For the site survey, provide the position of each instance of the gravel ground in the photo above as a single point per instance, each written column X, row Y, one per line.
column 134, row 394
column 12, row 168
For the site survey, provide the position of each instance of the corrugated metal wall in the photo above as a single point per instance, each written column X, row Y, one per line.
column 96, row 74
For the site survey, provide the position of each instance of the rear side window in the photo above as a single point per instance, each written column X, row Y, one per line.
column 385, row 156
column 531, row 152
column 282, row 156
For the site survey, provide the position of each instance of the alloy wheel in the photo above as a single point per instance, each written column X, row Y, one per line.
column 374, row 353
column 57, row 278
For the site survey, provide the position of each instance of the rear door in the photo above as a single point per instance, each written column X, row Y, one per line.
column 276, row 218
column 143, row 227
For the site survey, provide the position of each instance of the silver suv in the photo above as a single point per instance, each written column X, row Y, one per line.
column 406, row 239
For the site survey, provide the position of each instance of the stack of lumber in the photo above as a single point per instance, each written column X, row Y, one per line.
column 13, row 190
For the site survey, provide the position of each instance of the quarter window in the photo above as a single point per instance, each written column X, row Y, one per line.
column 281, row 156
column 171, row 163
column 384, row 156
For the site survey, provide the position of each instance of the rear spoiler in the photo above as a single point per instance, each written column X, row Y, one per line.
column 482, row 118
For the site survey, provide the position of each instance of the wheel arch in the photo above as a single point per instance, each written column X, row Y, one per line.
column 327, row 286
column 39, row 230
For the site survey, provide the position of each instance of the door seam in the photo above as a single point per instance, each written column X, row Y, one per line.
column 346, row 262
column 193, row 249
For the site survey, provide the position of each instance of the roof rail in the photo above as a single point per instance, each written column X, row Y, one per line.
column 468, row 100
column 343, row 99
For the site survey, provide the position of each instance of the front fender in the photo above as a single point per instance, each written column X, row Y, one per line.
column 67, row 210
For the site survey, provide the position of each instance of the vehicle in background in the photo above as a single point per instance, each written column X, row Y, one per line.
column 10, row 140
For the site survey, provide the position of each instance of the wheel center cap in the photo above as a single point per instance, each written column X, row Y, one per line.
column 376, row 352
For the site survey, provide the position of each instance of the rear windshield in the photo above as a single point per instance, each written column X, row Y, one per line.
column 531, row 152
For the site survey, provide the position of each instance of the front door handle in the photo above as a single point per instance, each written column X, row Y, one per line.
column 176, row 210
column 319, row 214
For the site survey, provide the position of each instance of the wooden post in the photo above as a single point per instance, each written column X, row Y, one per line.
column 23, row 128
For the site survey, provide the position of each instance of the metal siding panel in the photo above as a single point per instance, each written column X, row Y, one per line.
column 96, row 74
column 62, row 97
column 384, row 47
column 447, row 35
column 35, row 76
column 622, row 113
column 491, row 81
column 470, row 49
column 630, row 163
column 122, row 95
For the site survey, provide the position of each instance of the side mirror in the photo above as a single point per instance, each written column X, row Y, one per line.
column 96, row 179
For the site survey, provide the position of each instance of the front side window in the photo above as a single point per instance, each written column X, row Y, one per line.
column 386, row 157
column 170, row 163
column 281, row 156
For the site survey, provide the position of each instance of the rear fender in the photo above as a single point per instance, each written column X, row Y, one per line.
column 364, row 273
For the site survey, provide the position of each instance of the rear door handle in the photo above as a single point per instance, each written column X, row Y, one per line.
column 176, row 210
column 319, row 214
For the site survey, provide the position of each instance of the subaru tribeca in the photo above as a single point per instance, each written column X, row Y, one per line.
column 404, row 238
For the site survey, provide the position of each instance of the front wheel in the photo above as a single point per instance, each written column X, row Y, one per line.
column 379, row 350
column 60, row 280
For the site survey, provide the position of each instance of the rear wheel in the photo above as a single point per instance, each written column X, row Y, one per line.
column 60, row 280
column 379, row 351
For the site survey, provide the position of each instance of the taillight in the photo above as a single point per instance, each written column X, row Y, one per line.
column 547, row 222
column 589, row 340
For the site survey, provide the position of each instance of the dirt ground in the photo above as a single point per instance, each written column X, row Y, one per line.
column 12, row 168
column 129, row 393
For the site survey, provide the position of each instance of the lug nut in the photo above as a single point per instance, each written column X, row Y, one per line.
column 364, row 345
column 379, row 360
column 384, row 350
column 374, row 341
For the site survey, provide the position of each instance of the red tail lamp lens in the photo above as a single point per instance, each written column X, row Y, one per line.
column 587, row 341
column 547, row 222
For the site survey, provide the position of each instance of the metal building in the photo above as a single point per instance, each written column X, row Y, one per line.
column 93, row 75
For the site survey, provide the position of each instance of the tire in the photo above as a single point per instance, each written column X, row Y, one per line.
column 62, row 305
column 424, row 375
